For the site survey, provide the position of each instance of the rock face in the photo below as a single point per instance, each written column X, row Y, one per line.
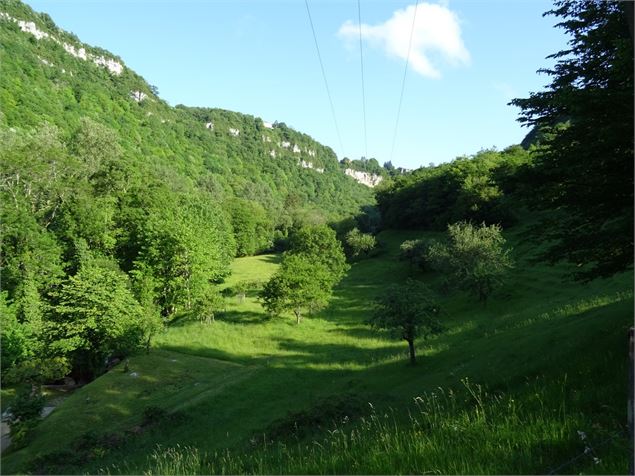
column 78, row 52
column 308, row 165
column 368, row 179
column 138, row 96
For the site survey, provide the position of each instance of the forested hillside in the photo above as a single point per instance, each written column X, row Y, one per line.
column 103, row 181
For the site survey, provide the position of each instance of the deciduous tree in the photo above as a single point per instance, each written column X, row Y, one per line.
column 474, row 257
column 410, row 310
column 300, row 286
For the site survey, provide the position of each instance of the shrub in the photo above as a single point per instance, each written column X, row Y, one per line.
column 359, row 244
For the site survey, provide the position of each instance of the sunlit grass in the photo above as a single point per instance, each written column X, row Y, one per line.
column 230, row 379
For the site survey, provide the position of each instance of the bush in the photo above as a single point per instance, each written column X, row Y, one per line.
column 21, row 432
column 359, row 244
column 416, row 253
column 27, row 406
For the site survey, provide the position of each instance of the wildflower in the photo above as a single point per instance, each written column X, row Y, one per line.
column 582, row 435
column 596, row 460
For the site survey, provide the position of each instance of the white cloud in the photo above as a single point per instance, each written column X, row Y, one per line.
column 436, row 34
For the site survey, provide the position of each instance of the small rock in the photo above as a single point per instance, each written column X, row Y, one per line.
column 134, row 374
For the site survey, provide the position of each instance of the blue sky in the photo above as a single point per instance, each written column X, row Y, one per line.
column 468, row 59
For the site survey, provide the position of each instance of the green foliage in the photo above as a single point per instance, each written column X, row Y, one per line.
column 96, row 316
column 359, row 244
column 253, row 229
column 16, row 346
column 88, row 173
column 28, row 404
column 583, row 169
column 21, row 433
column 299, row 286
column 319, row 244
column 24, row 414
column 410, row 310
column 415, row 252
column 207, row 306
column 314, row 264
column 246, row 358
column 474, row 257
column 241, row 288
column 478, row 188
column 366, row 165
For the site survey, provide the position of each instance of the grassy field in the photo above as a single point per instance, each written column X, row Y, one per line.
column 506, row 389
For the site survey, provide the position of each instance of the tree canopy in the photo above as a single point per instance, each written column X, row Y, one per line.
column 583, row 166
column 96, row 168
column 410, row 310
column 310, row 269
column 474, row 258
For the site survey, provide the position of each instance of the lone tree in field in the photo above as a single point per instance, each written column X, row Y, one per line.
column 474, row 257
column 410, row 310
column 299, row 286
column 308, row 272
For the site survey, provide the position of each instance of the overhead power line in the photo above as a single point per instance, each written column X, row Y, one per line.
column 403, row 82
column 361, row 63
column 326, row 84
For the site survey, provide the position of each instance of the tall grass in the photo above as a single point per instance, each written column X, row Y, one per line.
column 233, row 380
column 468, row 431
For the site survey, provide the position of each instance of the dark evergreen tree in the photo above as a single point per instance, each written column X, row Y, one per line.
column 583, row 168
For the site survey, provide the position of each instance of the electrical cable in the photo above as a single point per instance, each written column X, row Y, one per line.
column 361, row 63
column 403, row 82
column 326, row 84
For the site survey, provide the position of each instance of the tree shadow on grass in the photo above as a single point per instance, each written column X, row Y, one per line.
column 290, row 383
column 270, row 258
column 243, row 317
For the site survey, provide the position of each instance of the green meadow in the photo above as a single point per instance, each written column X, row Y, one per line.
column 506, row 389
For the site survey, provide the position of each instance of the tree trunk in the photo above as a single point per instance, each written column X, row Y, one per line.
column 298, row 317
column 411, row 346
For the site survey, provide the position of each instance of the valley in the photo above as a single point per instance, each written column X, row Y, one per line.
column 194, row 290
